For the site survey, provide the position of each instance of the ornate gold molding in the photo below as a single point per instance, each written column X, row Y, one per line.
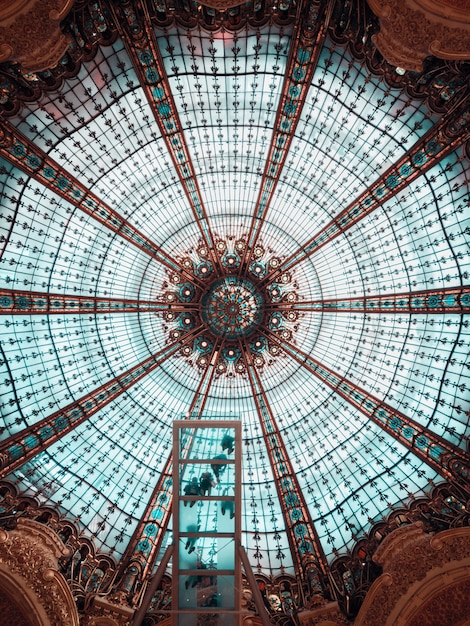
column 112, row 610
column 30, row 33
column 221, row 5
column 455, row 10
column 29, row 556
column 326, row 615
column 411, row 30
column 17, row 605
column 417, row 567
column 441, row 598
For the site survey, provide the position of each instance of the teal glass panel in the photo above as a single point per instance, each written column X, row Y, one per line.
column 206, row 589
column 227, row 86
column 212, row 478
column 214, row 516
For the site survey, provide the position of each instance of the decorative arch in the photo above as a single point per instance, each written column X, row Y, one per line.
column 441, row 598
column 29, row 574
column 19, row 602
column 419, row 570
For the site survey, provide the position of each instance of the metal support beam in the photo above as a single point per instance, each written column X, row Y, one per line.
column 433, row 301
column 40, row 303
column 18, row 150
column 152, row 588
column 451, row 462
column 307, row 554
column 262, row 612
column 200, row 397
column 143, row 50
column 451, row 132
column 310, row 30
column 26, row 444
column 147, row 539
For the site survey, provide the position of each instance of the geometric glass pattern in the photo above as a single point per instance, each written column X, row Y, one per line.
column 365, row 212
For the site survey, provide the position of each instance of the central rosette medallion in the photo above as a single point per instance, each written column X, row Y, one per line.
column 229, row 308
column 232, row 308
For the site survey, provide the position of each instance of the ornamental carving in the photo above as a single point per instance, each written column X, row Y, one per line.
column 222, row 5
column 90, row 25
column 11, row 611
column 108, row 611
column 30, row 33
column 29, row 555
column 241, row 300
column 327, row 615
column 417, row 566
column 446, row 607
column 411, row 30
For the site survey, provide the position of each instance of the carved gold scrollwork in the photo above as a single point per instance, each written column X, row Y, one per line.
column 418, row 568
column 30, row 33
column 411, row 30
column 29, row 556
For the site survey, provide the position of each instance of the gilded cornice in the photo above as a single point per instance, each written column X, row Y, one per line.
column 411, row 30
column 30, row 554
column 91, row 25
column 30, row 33
column 416, row 565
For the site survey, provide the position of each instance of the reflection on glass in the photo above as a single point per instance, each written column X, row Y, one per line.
column 198, row 444
column 215, row 552
column 206, row 479
column 206, row 590
column 214, row 516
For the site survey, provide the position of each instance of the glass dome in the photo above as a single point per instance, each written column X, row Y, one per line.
column 161, row 185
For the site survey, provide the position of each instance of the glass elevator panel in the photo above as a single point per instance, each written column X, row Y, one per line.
column 206, row 522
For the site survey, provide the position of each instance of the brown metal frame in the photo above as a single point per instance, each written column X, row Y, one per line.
column 168, row 122
column 433, row 301
column 21, row 152
column 132, row 553
column 46, row 303
column 426, row 445
column 309, row 564
column 309, row 34
column 451, row 132
column 182, row 457
column 31, row 441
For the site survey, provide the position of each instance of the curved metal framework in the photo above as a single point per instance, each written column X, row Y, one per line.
column 241, row 215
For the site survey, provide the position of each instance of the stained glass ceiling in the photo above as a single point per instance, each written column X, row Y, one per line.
column 380, row 304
